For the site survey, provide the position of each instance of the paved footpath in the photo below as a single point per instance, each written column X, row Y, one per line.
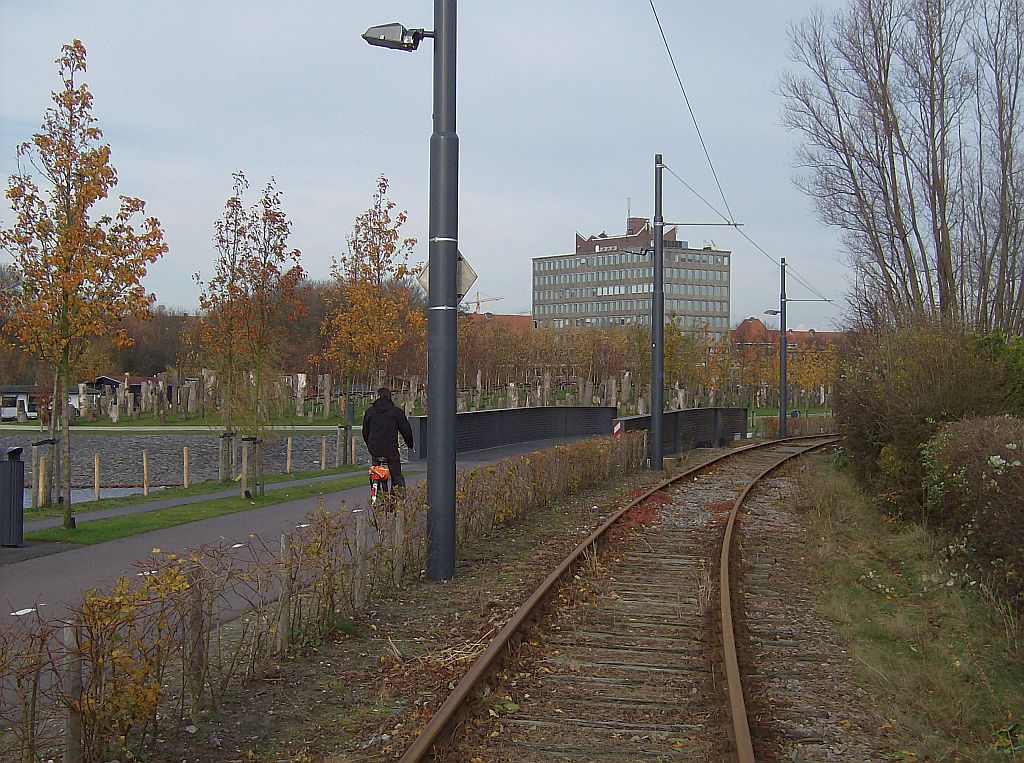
column 44, row 582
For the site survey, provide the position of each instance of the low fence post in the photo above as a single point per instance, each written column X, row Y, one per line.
column 245, row 468
column 184, row 467
column 284, row 620
column 323, row 453
column 35, row 476
column 359, row 599
column 258, row 467
column 145, row 472
column 96, row 476
column 337, row 447
column 196, row 642
column 288, row 457
column 398, row 548
column 42, row 482
column 73, row 694
column 350, row 441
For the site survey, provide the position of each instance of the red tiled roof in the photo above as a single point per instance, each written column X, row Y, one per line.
column 750, row 331
column 753, row 331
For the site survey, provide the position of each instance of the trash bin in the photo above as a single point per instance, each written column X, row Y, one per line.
column 12, row 497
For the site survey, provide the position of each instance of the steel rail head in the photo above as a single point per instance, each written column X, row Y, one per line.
column 734, row 682
column 440, row 722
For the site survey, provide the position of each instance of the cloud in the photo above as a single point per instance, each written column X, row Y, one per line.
column 561, row 109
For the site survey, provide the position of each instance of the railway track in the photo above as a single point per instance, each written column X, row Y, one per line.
column 636, row 659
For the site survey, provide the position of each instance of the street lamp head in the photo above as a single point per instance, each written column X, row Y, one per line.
column 394, row 36
column 772, row 312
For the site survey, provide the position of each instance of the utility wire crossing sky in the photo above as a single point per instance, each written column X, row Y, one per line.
column 561, row 110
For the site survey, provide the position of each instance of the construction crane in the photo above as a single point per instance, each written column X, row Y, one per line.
column 479, row 300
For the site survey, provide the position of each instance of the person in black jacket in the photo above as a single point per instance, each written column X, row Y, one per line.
column 382, row 423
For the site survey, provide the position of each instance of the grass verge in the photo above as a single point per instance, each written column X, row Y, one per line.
column 162, row 494
column 942, row 658
column 112, row 528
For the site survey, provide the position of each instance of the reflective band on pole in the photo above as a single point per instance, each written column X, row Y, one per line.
column 617, row 428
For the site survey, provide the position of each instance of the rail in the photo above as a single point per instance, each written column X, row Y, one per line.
column 441, row 721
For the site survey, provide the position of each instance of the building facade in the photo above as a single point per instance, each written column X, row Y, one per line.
column 607, row 281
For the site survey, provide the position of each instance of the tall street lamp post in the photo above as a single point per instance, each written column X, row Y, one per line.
column 658, row 324
column 658, row 316
column 783, row 351
column 442, row 299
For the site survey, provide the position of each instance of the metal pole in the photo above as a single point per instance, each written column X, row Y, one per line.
column 442, row 301
column 657, row 323
column 782, row 354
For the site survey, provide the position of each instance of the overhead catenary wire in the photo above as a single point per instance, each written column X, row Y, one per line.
column 692, row 190
column 792, row 271
column 728, row 218
column 689, row 108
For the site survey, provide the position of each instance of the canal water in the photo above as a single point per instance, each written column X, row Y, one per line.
column 80, row 495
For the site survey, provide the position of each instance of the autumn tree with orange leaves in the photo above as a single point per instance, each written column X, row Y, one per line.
column 246, row 305
column 78, row 277
column 371, row 314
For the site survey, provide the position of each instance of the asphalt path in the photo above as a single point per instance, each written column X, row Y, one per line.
column 45, row 584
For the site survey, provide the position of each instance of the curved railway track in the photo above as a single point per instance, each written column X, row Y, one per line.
column 633, row 656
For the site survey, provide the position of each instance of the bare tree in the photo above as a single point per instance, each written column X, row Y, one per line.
column 907, row 111
column 997, row 225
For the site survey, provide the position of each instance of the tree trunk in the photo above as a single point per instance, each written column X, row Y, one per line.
column 60, row 415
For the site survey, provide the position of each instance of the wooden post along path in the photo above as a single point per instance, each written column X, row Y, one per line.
column 362, row 558
column 284, row 622
column 35, row 476
column 245, row 468
column 73, row 721
column 42, row 482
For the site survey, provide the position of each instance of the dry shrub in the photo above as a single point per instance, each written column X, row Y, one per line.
column 898, row 387
column 29, row 719
column 974, row 486
column 126, row 642
column 169, row 641
column 505, row 490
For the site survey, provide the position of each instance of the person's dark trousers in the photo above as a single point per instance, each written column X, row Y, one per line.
column 395, row 467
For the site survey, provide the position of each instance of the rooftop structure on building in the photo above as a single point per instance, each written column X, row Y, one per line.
column 752, row 332
column 609, row 280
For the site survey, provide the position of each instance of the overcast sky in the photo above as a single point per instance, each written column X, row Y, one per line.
column 561, row 108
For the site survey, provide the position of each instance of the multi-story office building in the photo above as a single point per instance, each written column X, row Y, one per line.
column 610, row 279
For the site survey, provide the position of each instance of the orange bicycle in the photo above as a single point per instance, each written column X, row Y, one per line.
column 380, row 479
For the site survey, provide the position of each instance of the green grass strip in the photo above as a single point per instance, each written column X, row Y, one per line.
column 112, row 528
column 163, row 494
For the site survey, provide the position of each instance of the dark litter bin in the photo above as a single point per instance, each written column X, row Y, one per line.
column 12, row 497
